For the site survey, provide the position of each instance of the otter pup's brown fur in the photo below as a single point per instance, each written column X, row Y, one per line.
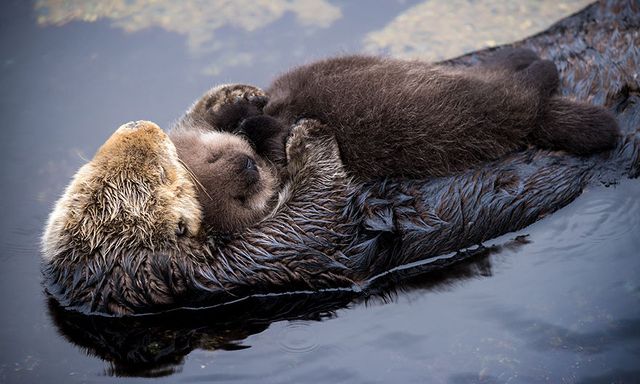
column 234, row 182
column 391, row 118
column 413, row 119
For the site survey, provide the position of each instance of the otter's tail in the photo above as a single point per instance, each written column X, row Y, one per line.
column 575, row 127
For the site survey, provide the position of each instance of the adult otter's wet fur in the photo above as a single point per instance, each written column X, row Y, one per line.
column 391, row 118
column 126, row 237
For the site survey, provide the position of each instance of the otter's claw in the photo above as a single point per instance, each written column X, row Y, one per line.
column 222, row 95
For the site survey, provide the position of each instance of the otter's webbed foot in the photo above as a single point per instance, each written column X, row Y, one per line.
column 543, row 76
column 512, row 59
column 224, row 107
column 528, row 68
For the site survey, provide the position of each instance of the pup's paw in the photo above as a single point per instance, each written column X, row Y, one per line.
column 225, row 106
column 233, row 94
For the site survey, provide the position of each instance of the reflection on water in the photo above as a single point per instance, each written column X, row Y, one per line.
column 199, row 20
column 432, row 29
column 441, row 29
column 156, row 345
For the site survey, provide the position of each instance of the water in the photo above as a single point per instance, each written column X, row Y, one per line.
column 562, row 306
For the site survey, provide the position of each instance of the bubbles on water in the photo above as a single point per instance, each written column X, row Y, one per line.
column 298, row 337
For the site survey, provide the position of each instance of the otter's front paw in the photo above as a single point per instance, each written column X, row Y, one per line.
column 226, row 106
column 313, row 150
column 300, row 138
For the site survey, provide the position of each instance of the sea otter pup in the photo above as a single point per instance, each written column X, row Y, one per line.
column 236, row 186
column 390, row 117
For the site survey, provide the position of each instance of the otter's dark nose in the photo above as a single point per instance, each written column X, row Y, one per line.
column 250, row 165
column 250, row 170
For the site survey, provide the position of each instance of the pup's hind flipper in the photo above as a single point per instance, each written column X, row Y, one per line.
column 575, row 127
column 513, row 59
column 541, row 75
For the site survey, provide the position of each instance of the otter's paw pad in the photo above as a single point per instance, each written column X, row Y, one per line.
column 234, row 93
column 226, row 106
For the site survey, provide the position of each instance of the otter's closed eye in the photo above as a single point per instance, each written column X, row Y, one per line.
column 213, row 158
column 181, row 229
column 163, row 174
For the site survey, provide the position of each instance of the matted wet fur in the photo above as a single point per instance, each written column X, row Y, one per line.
column 126, row 236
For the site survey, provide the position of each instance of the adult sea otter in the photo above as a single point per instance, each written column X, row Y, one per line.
column 127, row 238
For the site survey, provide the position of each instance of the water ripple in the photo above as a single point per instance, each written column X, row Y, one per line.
column 298, row 337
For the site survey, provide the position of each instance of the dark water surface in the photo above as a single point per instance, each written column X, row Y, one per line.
column 562, row 306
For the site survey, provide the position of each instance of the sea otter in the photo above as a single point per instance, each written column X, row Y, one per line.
column 127, row 237
column 236, row 186
column 390, row 117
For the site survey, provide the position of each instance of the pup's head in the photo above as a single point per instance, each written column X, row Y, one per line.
column 236, row 185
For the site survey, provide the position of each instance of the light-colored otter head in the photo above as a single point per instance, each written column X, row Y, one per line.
column 132, row 202
column 236, row 185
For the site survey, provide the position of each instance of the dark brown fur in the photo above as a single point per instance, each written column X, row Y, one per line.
column 409, row 118
column 393, row 118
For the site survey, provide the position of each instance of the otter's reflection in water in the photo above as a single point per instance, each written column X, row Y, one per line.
column 156, row 345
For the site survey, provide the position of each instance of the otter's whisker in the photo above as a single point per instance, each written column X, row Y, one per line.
column 195, row 179
column 81, row 156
